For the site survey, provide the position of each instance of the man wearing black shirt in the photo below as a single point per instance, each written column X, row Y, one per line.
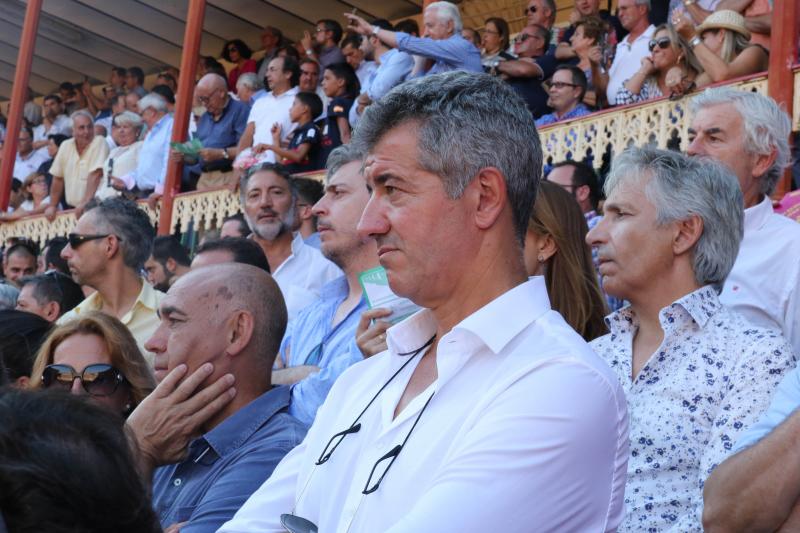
column 533, row 66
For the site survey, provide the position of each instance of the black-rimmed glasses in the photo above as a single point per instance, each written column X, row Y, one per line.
column 76, row 239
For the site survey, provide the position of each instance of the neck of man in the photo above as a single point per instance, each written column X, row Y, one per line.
column 119, row 290
column 26, row 153
column 497, row 268
column 638, row 29
column 80, row 145
column 752, row 195
column 250, row 384
column 280, row 89
column 379, row 52
column 566, row 110
column 668, row 289
column 365, row 258
column 277, row 250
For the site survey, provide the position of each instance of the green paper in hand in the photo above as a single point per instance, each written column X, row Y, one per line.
column 190, row 148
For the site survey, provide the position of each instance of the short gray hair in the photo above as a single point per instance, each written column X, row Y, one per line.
column 8, row 296
column 448, row 11
column 277, row 168
column 344, row 154
column 128, row 118
column 645, row 3
column 766, row 127
column 680, row 187
column 82, row 113
column 123, row 218
column 467, row 122
column 248, row 79
column 154, row 101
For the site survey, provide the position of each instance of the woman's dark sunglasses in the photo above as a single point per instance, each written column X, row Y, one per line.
column 97, row 380
column 662, row 42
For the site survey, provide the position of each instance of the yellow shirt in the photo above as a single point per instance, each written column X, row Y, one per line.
column 141, row 320
column 75, row 168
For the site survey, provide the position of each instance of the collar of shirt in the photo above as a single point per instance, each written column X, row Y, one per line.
column 297, row 244
column 224, row 111
column 146, row 298
column 755, row 217
column 646, row 35
column 237, row 428
column 493, row 326
column 698, row 306
column 291, row 93
column 160, row 124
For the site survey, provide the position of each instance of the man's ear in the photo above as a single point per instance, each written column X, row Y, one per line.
column 582, row 193
column 239, row 331
column 763, row 162
column 492, row 196
column 687, row 234
column 52, row 310
column 170, row 266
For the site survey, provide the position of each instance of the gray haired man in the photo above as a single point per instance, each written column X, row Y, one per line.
column 749, row 134
column 469, row 421
column 695, row 373
column 107, row 251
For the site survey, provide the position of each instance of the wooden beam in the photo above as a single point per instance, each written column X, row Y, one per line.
column 18, row 96
column 183, row 107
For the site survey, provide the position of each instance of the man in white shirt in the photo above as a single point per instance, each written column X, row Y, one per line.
column 630, row 50
column 54, row 121
column 695, row 373
column 474, row 400
column 270, row 209
column 28, row 160
column 354, row 55
column 283, row 74
column 749, row 134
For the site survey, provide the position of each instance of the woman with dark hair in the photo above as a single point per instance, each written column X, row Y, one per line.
column 238, row 53
column 495, row 42
column 555, row 247
column 94, row 354
column 21, row 335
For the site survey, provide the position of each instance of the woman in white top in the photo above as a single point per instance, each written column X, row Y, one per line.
column 37, row 197
column 126, row 128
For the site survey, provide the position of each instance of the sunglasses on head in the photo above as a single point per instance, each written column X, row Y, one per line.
column 97, row 380
column 661, row 42
column 76, row 239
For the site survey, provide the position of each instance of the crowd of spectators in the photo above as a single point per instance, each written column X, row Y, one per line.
column 588, row 353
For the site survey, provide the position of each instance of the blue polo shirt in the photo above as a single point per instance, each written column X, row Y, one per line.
column 227, row 464
column 312, row 339
column 222, row 133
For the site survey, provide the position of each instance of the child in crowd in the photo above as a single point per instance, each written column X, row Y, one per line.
column 302, row 154
column 341, row 85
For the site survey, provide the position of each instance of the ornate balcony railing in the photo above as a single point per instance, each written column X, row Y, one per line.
column 655, row 122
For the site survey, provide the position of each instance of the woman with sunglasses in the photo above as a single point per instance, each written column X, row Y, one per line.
column 238, row 53
column 37, row 197
column 669, row 70
column 94, row 354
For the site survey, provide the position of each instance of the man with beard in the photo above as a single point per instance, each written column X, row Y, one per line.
column 320, row 343
column 107, row 251
column 168, row 261
column 270, row 207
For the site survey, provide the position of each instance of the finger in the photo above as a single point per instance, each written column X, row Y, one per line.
column 189, row 385
column 212, row 407
column 378, row 312
column 170, row 382
column 209, row 393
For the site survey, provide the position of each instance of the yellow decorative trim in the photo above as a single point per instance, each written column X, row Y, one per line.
column 654, row 124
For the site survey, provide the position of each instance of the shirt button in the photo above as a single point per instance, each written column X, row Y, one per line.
column 177, row 482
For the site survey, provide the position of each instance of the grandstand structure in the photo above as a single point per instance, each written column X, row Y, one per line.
column 662, row 122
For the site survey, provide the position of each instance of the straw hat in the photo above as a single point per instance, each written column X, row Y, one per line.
column 724, row 18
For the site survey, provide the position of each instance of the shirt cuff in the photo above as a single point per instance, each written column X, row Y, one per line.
column 129, row 180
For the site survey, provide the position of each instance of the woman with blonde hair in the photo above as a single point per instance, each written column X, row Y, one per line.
column 555, row 247
column 94, row 354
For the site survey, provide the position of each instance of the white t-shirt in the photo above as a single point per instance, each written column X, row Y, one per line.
column 24, row 167
column 268, row 110
column 627, row 60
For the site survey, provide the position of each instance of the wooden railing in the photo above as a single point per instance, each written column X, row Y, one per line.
column 655, row 122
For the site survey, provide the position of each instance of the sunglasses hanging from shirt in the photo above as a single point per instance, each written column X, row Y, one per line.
column 297, row 524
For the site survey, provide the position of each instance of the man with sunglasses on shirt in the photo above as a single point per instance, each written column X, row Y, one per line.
column 107, row 251
column 487, row 412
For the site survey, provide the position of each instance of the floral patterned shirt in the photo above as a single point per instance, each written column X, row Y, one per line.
column 710, row 379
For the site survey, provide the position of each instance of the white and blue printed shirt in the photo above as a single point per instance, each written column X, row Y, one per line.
column 710, row 379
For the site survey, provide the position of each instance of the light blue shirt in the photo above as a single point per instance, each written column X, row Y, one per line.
column 785, row 401
column 151, row 166
column 315, row 340
column 453, row 53
column 394, row 68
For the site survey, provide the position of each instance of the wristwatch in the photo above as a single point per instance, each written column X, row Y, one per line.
column 225, row 153
column 695, row 41
column 375, row 30
column 687, row 3
column 309, row 52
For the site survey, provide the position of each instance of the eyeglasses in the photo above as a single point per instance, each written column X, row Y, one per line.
column 561, row 84
column 320, row 30
column 76, row 239
column 522, row 37
column 661, row 42
column 492, row 32
column 232, row 49
column 97, row 380
column 296, row 524
column 206, row 99
column 530, row 10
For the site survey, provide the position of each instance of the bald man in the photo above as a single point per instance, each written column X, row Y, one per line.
column 219, row 129
column 232, row 316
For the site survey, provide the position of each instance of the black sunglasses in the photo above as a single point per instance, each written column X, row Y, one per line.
column 76, row 239
column 661, row 42
column 97, row 380
column 527, row 10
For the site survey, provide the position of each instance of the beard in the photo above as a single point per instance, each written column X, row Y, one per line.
column 269, row 231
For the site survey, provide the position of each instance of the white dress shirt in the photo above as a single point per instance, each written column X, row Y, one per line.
column 506, row 443
column 302, row 275
column 711, row 378
column 268, row 110
column 627, row 60
column 764, row 284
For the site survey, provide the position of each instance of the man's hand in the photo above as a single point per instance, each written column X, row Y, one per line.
column 152, row 200
column 371, row 339
column 173, row 415
column 276, row 133
column 358, row 24
column 50, row 212
column 261, row 147
column 211, row 154
column 175, row 156
column 306, row 42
